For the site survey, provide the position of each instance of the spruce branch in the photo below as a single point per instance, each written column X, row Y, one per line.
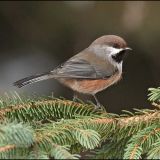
column 141, row 142
column 46, row 109
column 154, row 94
column 16, row 133
column 15, row 138
column 87, row 138
column 13, row 152
column 154, row 152
column 37, row 155
column 7, row 147
column 61, row 152
column 58, row 128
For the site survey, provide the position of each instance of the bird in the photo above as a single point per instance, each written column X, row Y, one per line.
column 90, row 71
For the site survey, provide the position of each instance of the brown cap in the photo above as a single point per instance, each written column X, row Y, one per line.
column 111, row 40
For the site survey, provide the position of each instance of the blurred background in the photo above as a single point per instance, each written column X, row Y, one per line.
column 37, row 36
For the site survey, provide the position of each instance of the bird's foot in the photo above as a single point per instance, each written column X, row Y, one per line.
column 74, row 99
column 99, row 107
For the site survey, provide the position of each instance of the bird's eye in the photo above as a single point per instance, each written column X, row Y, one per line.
column 116, row 45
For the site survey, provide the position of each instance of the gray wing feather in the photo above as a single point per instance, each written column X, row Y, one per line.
column 81, row 68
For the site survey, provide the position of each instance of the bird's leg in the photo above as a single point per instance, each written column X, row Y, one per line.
column 98, row 105
column 75, row 97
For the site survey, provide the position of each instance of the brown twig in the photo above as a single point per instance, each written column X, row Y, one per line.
column 7, row 147
column 122, row 121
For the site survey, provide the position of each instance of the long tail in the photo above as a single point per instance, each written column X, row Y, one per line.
column 32, row 79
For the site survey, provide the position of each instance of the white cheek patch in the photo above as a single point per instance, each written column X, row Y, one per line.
column 107, row 52
column 112, row 51
column 104, row 49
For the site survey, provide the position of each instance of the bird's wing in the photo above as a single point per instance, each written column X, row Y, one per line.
column 76, row 67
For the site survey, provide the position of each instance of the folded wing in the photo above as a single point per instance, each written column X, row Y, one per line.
column 81, row 68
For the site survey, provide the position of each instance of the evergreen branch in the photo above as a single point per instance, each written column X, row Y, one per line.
column 7, row 151
column 70, row 132
column 48, row 109
column 15, row 138
column 60, row 128
column 147, row 117
column 51, row 109
column 154, row 152
column 66, row 134
column 49, row 140
column 45, row 137
column 38, row 111
column 87, row 138
column 154, row 94
column 156, row 105
column 37, row 155
column 61, row 152
column 16, row 134
column 7, row 147
column 141, row 142
column 110, row 150
column 127, row 126
column 13, row 152
column 106, row 127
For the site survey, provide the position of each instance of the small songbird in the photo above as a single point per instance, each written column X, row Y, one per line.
column 90, row 71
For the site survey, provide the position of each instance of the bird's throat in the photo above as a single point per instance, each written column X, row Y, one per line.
column 119, row 56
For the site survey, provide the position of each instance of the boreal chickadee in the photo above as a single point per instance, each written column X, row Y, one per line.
column 90, row 71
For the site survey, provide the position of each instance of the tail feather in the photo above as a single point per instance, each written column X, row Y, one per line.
column 32, row 79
